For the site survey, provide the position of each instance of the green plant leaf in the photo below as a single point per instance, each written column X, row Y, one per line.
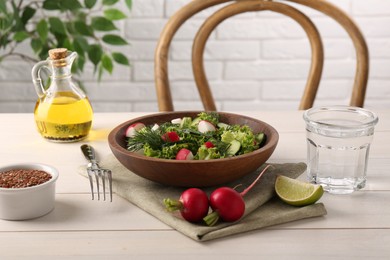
column 80, row 63
column 114, row 14
column 43, row 30
column 28, row 13
column 4, row 24
column 3, row 6
column 43, row 54
column 129, row 4
column 100, row 23
column 83, row 29
column 77, row 48
column 51, row 5
column 95, row 53
column 114, row 39
column 67, row 44
column 110, row 2
column 107, row 63
column 61, row 40
column 20, row 36
column 36, row 45
column 18, row 24
column 100, row 72
column 120, row 58
column 70, row 5
column 56, row 25
column 89, row 3
column 80, row 45
column 4, row 40
column 70, row 28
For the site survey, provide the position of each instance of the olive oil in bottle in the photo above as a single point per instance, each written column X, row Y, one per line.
column 63, row 112
column 65, row 119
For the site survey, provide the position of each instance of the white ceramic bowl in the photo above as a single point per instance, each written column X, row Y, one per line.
column 30, row 202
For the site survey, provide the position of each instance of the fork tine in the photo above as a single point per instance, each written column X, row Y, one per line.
column 103, row 176
column 97, row 183
column 91, row 182
column 109, row 176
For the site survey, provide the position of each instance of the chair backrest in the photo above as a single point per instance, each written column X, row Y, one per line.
column 240, row 6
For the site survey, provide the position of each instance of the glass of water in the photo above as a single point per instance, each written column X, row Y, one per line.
column 338, row 145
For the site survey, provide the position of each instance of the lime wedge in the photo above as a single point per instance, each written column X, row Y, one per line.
column 297, row 193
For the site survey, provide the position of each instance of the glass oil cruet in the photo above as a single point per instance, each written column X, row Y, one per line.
column 63, row 112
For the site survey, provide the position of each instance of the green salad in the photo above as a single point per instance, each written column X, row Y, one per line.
column 200, row 138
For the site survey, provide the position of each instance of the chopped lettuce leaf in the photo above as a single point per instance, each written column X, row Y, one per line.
column 205, row 153
column 212, row 117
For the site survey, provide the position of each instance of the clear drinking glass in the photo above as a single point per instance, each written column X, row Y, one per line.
column 338, row 145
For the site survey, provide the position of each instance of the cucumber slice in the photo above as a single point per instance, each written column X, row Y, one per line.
column 195, row 122
column 260, row 138
column 222, row 125
column 185, row 122
column 234, row 147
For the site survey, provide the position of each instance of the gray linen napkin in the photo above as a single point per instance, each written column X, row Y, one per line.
column 263, row 209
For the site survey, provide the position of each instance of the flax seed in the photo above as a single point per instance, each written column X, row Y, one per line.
column 22, row 178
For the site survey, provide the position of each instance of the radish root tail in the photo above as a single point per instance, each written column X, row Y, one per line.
column 255, row 181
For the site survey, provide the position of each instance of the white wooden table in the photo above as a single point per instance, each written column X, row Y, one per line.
column 357, row 226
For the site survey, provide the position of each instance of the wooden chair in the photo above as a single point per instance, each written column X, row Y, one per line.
column 240, row 6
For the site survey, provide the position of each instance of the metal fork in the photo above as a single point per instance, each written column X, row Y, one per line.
column 94, row 170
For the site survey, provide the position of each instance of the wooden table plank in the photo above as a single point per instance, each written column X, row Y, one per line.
column 266, row 244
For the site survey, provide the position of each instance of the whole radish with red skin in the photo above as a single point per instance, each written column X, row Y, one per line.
column 193, row 205
column 227, row 204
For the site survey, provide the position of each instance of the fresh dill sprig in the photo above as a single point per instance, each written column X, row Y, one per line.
column 146, row 136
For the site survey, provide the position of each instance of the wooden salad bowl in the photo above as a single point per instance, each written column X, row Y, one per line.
column 193, row 173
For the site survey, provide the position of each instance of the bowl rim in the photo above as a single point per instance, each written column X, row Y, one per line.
column 33, row 166
column 273, row 140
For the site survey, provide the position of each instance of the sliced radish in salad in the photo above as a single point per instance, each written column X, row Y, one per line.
column 184, row 154
column 176, row 121
column 133, row 129
column 205, row 126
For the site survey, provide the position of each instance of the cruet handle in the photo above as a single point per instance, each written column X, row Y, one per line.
column 35, row 73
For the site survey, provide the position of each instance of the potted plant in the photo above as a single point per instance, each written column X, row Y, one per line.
column 87, row 27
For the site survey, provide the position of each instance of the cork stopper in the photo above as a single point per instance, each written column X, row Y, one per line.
column 57, row 54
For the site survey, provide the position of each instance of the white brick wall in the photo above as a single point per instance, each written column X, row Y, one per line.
column 253, row 61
